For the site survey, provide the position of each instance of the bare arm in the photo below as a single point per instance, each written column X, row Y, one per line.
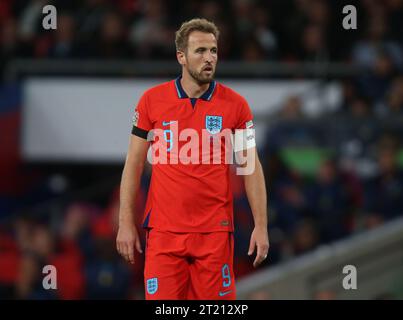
column 128, row 237
column 256, row 192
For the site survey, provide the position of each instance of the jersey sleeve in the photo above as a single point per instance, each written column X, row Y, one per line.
column 245, row 118
column 141, row 120
column 244, row 129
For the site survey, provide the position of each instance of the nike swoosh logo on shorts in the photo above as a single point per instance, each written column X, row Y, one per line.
column 167, row 123
column 221, row 294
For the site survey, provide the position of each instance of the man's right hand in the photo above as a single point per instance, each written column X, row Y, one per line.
column 126, row 240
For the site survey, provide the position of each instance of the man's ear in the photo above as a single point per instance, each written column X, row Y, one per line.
column 180, row 55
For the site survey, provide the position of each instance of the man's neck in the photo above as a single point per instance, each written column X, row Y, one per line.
column 192, row 88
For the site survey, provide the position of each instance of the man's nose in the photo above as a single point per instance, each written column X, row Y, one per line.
column 208, row 57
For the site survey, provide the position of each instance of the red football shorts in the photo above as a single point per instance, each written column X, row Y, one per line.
column 195, row 266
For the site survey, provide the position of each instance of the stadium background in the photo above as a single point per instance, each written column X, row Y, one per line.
column 331, row 152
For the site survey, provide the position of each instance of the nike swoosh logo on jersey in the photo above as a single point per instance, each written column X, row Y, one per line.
column 167, row 123
column 221, row 294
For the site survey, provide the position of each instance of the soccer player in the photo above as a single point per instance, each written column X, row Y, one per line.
column 188, row 215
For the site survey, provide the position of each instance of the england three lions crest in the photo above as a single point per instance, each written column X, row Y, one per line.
column 213, row 124
column 152, row 285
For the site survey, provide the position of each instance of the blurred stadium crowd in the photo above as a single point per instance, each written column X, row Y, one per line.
column 250, row 30
column 356, row 183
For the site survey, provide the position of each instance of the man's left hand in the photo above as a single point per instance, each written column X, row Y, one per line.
column 259, row 239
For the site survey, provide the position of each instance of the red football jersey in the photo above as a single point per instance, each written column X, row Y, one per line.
column 190, row 187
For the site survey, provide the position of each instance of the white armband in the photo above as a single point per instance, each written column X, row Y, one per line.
column 244, row 139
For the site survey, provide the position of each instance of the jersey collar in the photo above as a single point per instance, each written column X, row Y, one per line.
column 205, row 96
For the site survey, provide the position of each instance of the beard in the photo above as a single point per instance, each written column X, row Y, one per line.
column 200, row 77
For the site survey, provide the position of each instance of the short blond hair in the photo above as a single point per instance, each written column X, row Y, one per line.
column 202, row 25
